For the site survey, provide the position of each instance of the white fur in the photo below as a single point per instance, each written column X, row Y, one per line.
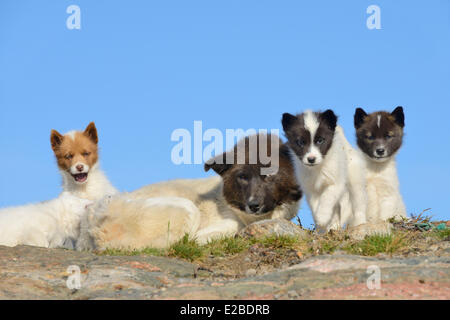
column 95, row 188
column 335, row 187
column 74, row 170
column 70, row 134
column 312, row 124
column 383, row 189
column 160, row 214
column 47, row 224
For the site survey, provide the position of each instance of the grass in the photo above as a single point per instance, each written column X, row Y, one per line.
column 441, row 234
column 124, row 252
column 190, row 250
column 396, row 243
column 226, row 246
column 375, row 244
column 186, row 248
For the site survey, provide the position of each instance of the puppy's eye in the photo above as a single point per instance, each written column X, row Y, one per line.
column 243, row 177
column 85, row 154
column 68, row 156
column 370, row 137
column 320, row 140
column 300, row 143
column 389, row 136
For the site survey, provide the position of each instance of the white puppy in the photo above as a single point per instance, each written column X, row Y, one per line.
column 47, row 224
column 380, row 136
column 331, row 173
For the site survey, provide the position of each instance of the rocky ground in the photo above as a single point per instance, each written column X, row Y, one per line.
column 419, row 271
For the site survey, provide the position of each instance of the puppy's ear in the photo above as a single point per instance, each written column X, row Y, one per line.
column 55, row 140
column 295, row 193
column 218, row 164
column 288, row 120
column 359, row 117
column 399, row 116
column 91, row 132
column 330, row 118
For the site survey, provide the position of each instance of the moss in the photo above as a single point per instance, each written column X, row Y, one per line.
column 372, row 245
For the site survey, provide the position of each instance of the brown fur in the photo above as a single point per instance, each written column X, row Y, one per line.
column 83, row 148
column 389, row 134
column 245, row 181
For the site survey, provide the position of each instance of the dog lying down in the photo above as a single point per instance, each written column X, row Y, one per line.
column 49, row 224
column 250, row 188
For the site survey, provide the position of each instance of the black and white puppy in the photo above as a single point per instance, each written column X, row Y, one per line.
column 380, row 136
column 329, row 170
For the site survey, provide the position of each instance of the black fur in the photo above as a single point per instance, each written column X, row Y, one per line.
column 379, row 140
column 246, row 188
column 299, row 137
column 399, row 116
column 359, row 117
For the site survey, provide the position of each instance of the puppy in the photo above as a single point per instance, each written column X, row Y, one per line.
column 49, row 224
column 161, row 214
column 330, row 171
column 77, row 156
column 56, row 223
column 379, row 136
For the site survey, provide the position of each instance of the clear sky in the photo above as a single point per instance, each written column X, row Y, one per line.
column 141, row 69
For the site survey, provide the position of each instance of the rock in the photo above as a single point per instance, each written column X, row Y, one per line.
column 279, row 227
column 293, row 294
column 39, row 273
column 370, row 228
column 250, row 272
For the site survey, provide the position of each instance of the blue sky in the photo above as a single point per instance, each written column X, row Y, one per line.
column 141, row 69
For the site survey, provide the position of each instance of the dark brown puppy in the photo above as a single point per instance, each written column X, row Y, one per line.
column 246, row 186
column 256, row 184
column 379, row 134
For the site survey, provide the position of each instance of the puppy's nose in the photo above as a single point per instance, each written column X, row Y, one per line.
column 80, row 167
column 380, row 151
column 253, row 205
column 311, row 159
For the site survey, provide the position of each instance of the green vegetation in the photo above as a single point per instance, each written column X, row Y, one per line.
column 403, row 238
column 375, row 244
column 186, row 248
column 441, row 234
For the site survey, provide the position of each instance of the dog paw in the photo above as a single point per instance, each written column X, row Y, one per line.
column 371, row 228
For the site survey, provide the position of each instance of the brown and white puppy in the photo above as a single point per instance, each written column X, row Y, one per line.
column 76, row 153
column 379, row 136
column 330, row 171
column 161, row 214
column 56, row 223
